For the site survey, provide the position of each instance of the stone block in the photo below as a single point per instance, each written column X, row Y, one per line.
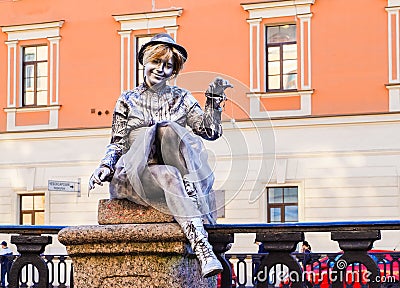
column 132, row 255
column 122, row 211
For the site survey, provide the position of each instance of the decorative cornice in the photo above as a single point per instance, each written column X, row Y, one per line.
column 278, row 8
column 148, row 20
column 149, row 15
column 275, row 4
column 25, row 27
column 33, row 31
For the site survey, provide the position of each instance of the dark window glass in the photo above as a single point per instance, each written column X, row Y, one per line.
column 282, row 204
column 139, row 67
column 281, row 57
column 35, row 76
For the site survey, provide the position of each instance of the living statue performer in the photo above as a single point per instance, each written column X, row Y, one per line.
column 153, row 159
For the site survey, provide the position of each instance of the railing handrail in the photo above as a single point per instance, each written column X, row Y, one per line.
column 241, row 228
column 305, row 226
column 30, row 229
column 280, row 240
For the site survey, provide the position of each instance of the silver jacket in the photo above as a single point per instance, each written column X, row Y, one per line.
column 142, row 107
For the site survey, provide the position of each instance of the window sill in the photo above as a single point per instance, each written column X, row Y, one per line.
column 279, row 94
column 32, row 108
column 32, row 118
column 256, row 110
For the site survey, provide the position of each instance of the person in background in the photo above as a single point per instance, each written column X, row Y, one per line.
column 306, row 249
column 5, row 252
column 261, row 250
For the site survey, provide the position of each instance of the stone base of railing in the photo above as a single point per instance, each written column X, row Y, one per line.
column 145, row 254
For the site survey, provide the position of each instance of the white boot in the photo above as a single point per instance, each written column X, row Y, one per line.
column 197, row 236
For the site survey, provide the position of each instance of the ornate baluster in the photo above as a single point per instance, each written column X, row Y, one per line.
column 24, row 277
column 241, row 262
column 355, row 245
column 222, row 243
column 279, row 246
column 395, row 265
column 255, row 260
column 30, row 247
column 50, row 267
column 62, row 272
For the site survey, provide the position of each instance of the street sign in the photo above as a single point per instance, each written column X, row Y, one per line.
column 64, row 186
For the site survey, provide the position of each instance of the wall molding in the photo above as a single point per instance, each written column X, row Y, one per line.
column 278, row 8
column 33, row 31
column 148, row 20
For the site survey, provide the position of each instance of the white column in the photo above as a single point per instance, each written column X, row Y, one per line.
column 12, row 79
column 54, row 64
column 125, row 63
column 255, row 59
column 393, row 13
column 172, row 30
column 393, row 55
column 305, row 50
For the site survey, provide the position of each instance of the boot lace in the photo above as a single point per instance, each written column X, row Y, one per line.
column 189, row 187
column 204, row 250
column 190, row 231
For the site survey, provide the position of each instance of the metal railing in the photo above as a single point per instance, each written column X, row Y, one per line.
column 318, row 272
column 30, row 268
column 279, row 266
column 280, row 241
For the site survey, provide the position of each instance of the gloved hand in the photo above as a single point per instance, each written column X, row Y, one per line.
column 215, row 92
column 99, row 175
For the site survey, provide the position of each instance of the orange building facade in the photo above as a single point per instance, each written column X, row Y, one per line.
column 316, row 103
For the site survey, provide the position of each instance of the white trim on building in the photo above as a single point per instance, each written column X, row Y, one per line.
column 16, row 33
column 265, row 10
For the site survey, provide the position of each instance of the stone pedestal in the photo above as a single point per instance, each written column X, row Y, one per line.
column 128, row 254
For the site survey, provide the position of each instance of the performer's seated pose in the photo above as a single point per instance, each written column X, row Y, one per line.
column 152, row 158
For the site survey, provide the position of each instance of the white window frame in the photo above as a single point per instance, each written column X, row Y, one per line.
column 266, row 10
column 15, row 33
column 300, row 197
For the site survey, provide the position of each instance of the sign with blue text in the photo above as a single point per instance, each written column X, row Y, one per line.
column 64, row 186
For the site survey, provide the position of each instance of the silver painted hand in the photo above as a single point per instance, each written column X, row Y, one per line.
column 98, row 176
column 218, row 87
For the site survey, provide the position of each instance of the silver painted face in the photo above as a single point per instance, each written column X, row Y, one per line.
column 158, row 71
